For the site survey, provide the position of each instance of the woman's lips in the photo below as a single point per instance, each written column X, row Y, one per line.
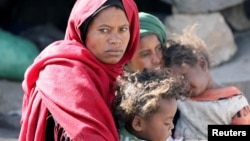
column 114, row 52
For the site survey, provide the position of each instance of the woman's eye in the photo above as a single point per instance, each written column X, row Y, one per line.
column 104, row 30
column 145, row 54
column 159, row 48
column 124, row 29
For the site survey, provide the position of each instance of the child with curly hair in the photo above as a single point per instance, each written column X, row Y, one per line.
column 209, row 103
column 145, row 104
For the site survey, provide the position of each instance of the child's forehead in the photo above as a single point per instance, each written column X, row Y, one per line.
column 180, row 68
column 185, row 69
column 167, row 108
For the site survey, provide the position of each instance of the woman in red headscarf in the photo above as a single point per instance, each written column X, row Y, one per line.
column 68, row 90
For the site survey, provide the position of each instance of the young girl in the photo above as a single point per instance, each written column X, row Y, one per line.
column 209, row 102
column 145, row 104
column 69, row 87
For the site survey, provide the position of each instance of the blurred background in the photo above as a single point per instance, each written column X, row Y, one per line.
column 28, row 26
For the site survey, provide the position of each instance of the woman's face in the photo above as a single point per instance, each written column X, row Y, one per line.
column 108, row 35
column 148, row 54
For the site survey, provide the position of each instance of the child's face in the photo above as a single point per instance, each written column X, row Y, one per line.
column 148, row 55
column 195, row 75
column 108, row 35
column 159, row 126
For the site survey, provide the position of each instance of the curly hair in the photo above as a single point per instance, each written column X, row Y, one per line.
column 185, row 49
column 139, row 93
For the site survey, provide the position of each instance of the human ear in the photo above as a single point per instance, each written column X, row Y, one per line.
column 202, row 62
column 137, row 124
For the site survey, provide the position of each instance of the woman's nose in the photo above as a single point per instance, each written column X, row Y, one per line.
column 115, row 39
column 157, row 58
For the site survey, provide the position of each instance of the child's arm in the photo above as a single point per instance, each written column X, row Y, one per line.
column 242, row 117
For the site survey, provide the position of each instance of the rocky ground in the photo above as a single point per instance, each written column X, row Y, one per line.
column 10, row 104
column 235, row 72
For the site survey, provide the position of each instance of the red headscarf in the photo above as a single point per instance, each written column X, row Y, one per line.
column 72, row 84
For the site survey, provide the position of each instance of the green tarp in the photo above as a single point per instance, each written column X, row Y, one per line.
column 16, row 54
